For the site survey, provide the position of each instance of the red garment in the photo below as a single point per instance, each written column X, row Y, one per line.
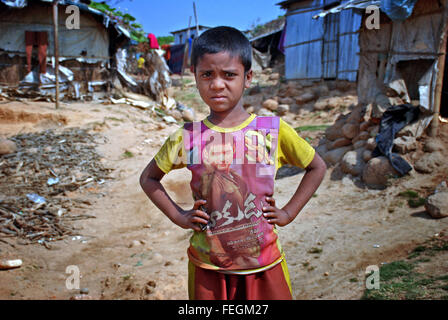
column 167, row 48
column 39, row 39
column 153, row 43
column 213, row 285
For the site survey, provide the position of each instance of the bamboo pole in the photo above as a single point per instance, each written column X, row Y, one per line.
column 441, row 67
column 184, row 60
column 56, row 50
column 196, row 19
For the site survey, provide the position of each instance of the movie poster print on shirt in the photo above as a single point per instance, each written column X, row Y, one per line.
column 234, row 171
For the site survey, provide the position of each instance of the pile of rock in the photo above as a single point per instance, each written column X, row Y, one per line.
column 300, row 98
column 349, row 143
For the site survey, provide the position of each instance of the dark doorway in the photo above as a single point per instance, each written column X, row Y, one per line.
column 444, row 100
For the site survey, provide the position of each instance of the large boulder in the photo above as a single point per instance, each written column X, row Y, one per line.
column 377, row 172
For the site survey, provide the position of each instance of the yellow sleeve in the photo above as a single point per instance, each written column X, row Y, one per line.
column 292, row 149
column 172, row 154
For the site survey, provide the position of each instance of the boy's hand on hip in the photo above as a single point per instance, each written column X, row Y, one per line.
column 192, row 219
column 275, row 215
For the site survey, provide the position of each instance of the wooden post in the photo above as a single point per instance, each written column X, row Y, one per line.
column 196, row 19
column 56, row 49
column 184, row 60
column 441, row 67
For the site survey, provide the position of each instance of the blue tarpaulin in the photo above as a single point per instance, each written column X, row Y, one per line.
column 398, row 9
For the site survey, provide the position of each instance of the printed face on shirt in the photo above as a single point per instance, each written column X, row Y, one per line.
column 221, row 80
column 219, row 156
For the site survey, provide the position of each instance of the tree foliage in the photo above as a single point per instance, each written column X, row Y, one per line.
column 124, row 19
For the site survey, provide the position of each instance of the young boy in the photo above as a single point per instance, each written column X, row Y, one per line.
column 233, row 156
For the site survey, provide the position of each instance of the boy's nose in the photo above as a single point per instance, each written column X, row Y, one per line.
column 217, row 84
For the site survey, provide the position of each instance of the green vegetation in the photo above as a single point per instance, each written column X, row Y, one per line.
column 319, row 127
column 413, row 198
column 165, row 40
column 124, row 19
column 400, row 279
column 128, row 154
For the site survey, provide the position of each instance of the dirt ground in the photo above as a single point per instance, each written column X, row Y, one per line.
column 132, row 251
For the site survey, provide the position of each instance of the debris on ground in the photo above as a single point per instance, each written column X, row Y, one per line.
column 34, row 205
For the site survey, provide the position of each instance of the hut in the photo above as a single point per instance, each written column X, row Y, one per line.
column 86, row 53
column 319, row 49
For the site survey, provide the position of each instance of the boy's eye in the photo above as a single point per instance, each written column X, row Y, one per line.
column 206, row 74
column 230, row 74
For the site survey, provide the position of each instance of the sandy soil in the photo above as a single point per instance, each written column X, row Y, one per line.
column 132, row 251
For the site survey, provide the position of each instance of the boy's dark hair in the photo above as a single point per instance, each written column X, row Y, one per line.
column 221, row 39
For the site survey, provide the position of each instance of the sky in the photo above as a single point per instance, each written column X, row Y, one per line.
column 160, row 17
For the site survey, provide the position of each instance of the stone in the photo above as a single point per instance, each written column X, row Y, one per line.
column 377, row 172
column 428, row 162
column 405, row 144
column 188, row 115
column 367, row 155
column 364, row 126
column 321, row 90
column 282, row 109
column 84, row 291
column 265, row 113
column 306, row 97
column 286, row 100
column 321, row 104
column 334, row 156
column 370, row 144
column 437, row 205
column 363, row 135
column 340, row 142
column 433, row 145
column 274, row 76
column 250, row 109
column 350, row 130
column 353, row 162
column 335, row 131
column 270, row 104
column 359, row 144
column 7, row 146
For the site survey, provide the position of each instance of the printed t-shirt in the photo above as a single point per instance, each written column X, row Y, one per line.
column 234, row 170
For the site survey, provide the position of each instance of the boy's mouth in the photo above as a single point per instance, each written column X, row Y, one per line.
column 218, row 98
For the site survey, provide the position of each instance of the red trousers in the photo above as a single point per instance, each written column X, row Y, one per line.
column 272, row 284
column 39, row 39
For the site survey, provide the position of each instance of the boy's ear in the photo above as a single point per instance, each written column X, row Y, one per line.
column 248, row 79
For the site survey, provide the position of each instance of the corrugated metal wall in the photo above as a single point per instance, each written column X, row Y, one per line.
column 321, row 48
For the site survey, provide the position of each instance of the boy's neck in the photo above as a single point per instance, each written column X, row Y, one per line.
column 230, row 118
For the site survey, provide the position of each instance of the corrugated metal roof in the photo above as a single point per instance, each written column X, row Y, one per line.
column 352, row 4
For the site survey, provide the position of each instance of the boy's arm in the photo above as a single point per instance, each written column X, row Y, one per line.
column 150, row 183
column 313, row 177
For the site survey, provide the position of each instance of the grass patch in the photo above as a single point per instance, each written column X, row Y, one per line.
column 128, row 154
column 413, row 198
column 319, row 127
column 399, row 280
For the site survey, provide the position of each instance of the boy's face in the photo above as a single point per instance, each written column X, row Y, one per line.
column 221, row 80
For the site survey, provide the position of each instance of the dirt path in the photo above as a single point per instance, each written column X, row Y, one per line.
column 132, row 251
